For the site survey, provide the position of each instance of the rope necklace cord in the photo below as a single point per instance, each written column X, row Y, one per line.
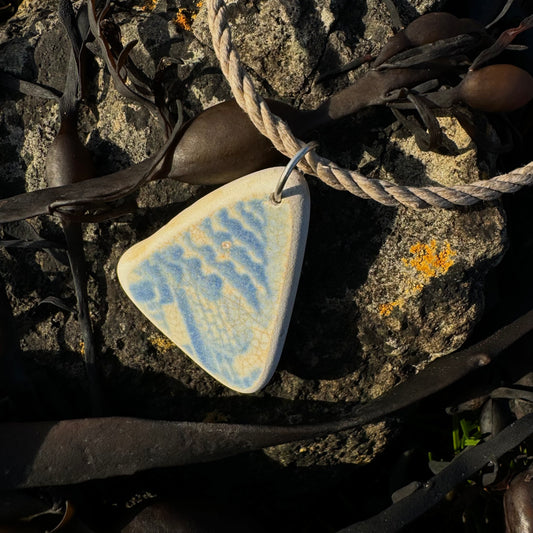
column 281, row 136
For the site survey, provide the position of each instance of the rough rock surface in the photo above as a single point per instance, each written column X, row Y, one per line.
column 383, row 290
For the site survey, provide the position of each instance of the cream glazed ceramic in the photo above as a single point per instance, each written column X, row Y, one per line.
column 221, row 277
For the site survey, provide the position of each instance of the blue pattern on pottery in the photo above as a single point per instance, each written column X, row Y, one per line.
column 209, row 273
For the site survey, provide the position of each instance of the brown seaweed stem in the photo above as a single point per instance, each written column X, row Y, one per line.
column 72, row 451
column 503, row 41
column 435, row 489
column 68, row 161
column 219, row 145
column 121, row 67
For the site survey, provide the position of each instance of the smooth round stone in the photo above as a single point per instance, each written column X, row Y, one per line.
column 221, row 277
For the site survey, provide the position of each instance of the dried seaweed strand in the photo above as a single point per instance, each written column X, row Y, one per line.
column 116, row 65
column 68, row 111
column 57, row 453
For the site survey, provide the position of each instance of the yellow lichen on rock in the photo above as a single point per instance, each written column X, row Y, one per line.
column 149, row 5
column 386, row 308
column 161, row 343
column 185, row 17
column 427, row 262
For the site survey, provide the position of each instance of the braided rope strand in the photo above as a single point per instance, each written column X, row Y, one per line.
column 281, row 136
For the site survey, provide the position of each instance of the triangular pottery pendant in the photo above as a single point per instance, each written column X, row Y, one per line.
column 220, row 278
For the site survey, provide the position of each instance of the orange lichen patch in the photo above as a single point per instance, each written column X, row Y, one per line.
column 184, row 18
column 161, row 343
column 386, row 308
column 428, row 261
column 149, row 5
column 82, row 348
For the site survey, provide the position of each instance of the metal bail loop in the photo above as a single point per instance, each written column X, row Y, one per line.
column 291, row 165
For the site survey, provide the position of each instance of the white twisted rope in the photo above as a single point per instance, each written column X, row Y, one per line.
column 337, row 177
